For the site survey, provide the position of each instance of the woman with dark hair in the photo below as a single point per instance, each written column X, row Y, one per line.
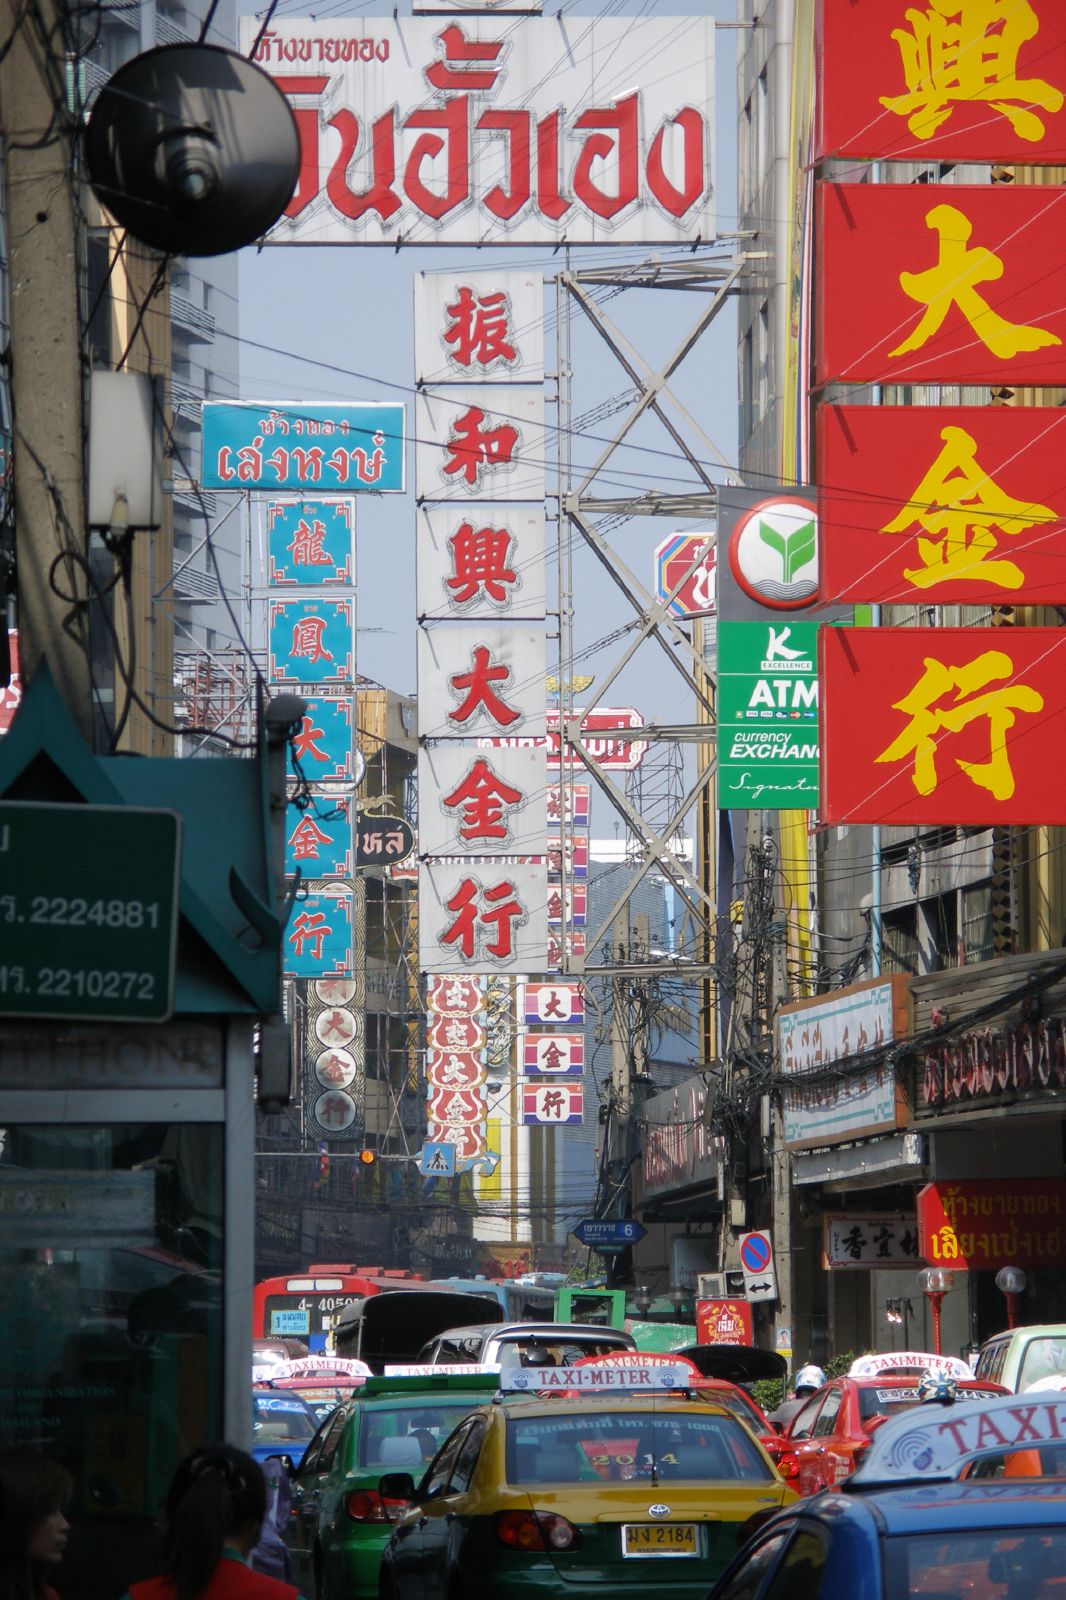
column 34, row 1496
column 214, row 1509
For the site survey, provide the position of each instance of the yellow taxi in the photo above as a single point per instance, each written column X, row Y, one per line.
column 605, row 1479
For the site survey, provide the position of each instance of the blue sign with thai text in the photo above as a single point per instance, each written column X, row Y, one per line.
column 318, row 937
column 311, row 641
column 310, row 542
column 328, row 449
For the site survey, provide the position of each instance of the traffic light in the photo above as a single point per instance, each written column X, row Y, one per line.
column 368, row 1157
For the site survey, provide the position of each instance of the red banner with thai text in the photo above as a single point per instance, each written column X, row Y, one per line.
column 907, row 81
column 949, row 505
column 942, row 725
column 921, row 284
column 983, row 1224
column 724, row 1322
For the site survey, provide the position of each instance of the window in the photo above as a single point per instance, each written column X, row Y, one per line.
column 331, row 1438
column 744, row 1584
column 619, row 1447
column 799, row 1577
column 404, row 1437
column 827, row 1417
column 436, row 1480
column 803, row 1421
column 999, row 1562
column 466, row 1460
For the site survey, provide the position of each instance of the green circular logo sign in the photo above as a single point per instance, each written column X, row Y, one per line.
column 773, row 553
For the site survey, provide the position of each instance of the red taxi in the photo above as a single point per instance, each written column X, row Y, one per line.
column 828, row 1437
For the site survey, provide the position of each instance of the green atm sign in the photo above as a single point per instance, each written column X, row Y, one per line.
column 88, row 911
column 767, row 714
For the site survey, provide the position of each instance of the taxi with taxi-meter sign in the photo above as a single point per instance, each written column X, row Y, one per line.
column 718, row 1391
column 921, row 1520
column 829, row 1436
column 609, row 1479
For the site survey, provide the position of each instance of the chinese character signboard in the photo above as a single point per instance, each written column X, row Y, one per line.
column 475, row 131
column 552, row 1104
column 323, row 748
column 561, row 1003
column 311, row 641
column 483, row 443
column 481, row 802
column 481, row 916
column 476, row 680
column 310, row 542
column 943, row 725
column 480, row 326
column 569, row 803
column 324, row 448
column 966, row 505
column 767, row 714
column 985, row 1223
column 549, row 1054
column 956, row 286
column 334, row 1052
column 881, row 1239
column 814, row 1034
column 480, row 561
column 318, row 937
column 318, row 841
column 943, row 80
column 724, row 1322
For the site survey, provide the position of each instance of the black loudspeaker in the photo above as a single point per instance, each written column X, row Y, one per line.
column 193, row 149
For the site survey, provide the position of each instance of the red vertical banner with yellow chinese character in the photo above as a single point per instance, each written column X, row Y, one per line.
column 942, row 725
column 940, row 285
column 943, row 80
column 950, row 506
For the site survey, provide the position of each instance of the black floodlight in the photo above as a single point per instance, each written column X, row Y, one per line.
column 193, row 149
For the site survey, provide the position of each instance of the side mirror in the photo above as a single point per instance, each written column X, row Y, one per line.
column 397, row 1486
column 286, row 1461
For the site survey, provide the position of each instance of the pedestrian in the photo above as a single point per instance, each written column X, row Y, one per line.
column 34, row 1495
column 214, row 1510
column 808, row 1379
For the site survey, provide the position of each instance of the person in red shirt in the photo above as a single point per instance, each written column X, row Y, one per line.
column 34, row 1495
column 214, row 1508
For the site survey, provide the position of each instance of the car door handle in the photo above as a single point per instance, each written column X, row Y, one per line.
column 422, row 1521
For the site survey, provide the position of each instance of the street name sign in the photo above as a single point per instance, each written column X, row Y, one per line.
column 88, row 911
column 608, row 1233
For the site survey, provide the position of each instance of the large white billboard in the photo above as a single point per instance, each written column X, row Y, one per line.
column 534, row 130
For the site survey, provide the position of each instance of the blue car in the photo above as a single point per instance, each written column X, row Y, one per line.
column 282, row 1425
column 950, row 1504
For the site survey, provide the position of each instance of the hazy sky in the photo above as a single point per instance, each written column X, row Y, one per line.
column 335, row 323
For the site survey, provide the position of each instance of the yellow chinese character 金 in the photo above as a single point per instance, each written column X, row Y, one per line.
column 962, row 509
column 951, row 282
column 967, row 51
column 930, row 723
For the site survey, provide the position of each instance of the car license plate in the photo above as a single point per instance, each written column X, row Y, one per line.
column 659, row 1539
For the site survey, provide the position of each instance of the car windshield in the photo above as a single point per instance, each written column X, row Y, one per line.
column 404, row 1438
column 621, row 1446
column 1043, row 1358
column 1000, row 1564
column 278, row 1419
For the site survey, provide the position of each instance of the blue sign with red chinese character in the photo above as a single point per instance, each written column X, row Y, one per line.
column 318, row 840
column 310, row 542
column 323, row 750
column 311, row 641
column 327, row 449
column 318, row 937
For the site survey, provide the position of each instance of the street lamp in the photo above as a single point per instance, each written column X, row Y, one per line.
column 642, row 1300
column 934, row 1282
column 677, row 1295
column 1011, row 1281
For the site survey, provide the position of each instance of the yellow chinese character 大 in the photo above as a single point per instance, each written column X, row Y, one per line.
column 961, row 509
column 951, row 282
column 930, row 723
column 967, row 51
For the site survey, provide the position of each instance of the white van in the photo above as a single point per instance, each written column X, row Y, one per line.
column 1018, row 1358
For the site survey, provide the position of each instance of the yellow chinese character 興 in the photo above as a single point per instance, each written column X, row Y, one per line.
column 951, row 282
column 930, row 722
column 965, row 51
column 961, row 509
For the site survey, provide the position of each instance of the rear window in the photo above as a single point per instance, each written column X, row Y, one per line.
column 619, row 1448
column 1042, row 1358
column 886, row 1402
column 277, row 1420
column 988, row 1565
column 406, row 1438
column 522, row 1349
column 740, row 1407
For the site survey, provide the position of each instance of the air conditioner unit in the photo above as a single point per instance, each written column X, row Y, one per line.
column 711, row 1286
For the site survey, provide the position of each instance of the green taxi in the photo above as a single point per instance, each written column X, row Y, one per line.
column 340, row 1522
column 595, row 1494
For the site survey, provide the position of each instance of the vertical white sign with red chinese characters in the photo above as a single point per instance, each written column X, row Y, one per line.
column 455, row 1065
column 481, row 607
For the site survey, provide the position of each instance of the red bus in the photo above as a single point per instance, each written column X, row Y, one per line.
column 300, row 1307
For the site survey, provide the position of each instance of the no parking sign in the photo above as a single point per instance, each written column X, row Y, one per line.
column 757, row 1261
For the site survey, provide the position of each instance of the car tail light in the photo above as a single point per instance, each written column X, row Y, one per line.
column 366, row 1505
column 536, row 1530
column 788, row 1465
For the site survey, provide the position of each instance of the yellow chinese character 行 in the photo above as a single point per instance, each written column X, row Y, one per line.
column 965, row 51
column 962, row 509
column 931, row 723
column 951, row 282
